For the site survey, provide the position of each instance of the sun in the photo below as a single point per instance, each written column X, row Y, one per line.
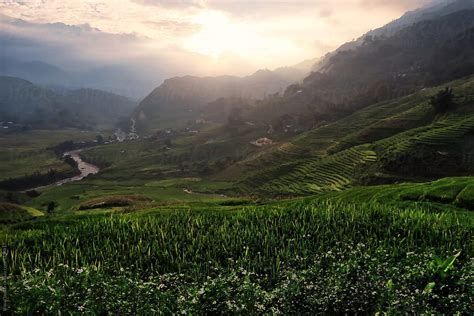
column 222, row 36
column 214, row 37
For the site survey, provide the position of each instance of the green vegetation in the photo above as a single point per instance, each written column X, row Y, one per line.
column 384, row 143
column 26, row 153
column 362, row 202
column 293, row 258
column 12, row 213
column 446, row 193
column 443, row 100
column 313, row 176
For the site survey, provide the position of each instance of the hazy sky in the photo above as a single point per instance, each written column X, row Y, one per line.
column 235, row 36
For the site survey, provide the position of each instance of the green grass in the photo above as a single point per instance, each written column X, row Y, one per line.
column 465, row 198
column 70, row 196
column 25, row 153
column 331, row 173
column 455, row 191
column 13, row 213
column 290, row 257
column 378, row 144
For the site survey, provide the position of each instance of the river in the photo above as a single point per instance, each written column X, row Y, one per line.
column 84, row 167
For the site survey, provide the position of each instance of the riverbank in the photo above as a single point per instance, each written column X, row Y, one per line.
column 39, row 181
column 84, row 168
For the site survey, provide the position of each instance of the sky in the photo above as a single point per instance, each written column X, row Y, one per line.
column 226, row 36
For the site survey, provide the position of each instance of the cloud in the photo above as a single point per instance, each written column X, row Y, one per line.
column 400, row 5
column 79, row 48
column 326, row 13
column 174, row 28
column 172, row 3
column 207, row 36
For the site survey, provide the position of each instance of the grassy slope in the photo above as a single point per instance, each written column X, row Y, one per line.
column 332, row 157
column 190, row 155
column 289, row 257
column 25, row 153
column 13, row 213
column 454, row 192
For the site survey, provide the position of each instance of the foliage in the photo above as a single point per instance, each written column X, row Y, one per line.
column 443, row 100
column 289, row 258
column 36, row 179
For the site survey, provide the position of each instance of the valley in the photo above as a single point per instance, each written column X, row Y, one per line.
column 345, row 186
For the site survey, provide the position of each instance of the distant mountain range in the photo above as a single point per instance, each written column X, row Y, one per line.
column 117, row 80
column 397, row 59
column 421, row 55
column 29, row 105
column 80, row 56
column 184, row 98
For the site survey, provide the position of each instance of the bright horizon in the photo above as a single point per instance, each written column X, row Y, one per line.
column 210, row 37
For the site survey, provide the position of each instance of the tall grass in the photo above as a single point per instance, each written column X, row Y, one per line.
column 293, row 258
column 260, row 239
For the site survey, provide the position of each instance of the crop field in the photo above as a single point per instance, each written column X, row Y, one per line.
column 333, row 172
column 454, row 193
column 69, row 197
column 288, row 257
column 26, row 153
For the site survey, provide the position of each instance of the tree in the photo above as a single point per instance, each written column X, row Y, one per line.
column 51, row 207
column 100, row 139
column 235, row 117
column 443, row 100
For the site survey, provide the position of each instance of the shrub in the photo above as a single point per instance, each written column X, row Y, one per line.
column 443, row 101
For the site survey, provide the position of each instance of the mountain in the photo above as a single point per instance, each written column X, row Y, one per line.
column 399, row 140
column 35, row 71
column 118, row 79
column 104, row 107
column 395, row 60
column 27, row 104
column 419, row 56
column 24, row 103
column 182, row 98
column 436, row 10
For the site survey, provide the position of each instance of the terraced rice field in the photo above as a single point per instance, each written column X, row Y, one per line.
column 315, row 175
column 441, row 133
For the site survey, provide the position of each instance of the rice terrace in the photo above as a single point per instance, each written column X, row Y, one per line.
column 230, row 157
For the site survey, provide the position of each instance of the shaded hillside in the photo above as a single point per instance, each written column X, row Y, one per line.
column 31, row 106
column 436, row 10
column 105, row 107
column 182, row 98
column 398, row 140
column 23, row 102
column 421, row 55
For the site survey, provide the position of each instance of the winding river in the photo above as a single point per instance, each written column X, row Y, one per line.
column 84, row 167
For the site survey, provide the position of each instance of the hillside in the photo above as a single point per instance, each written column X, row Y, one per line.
column 434, row 10
column 23, row 102
column 104, row 107
column 386, row 142
column 180, row 99
column 29, row 106
column 346, row 191
column 387, row 67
